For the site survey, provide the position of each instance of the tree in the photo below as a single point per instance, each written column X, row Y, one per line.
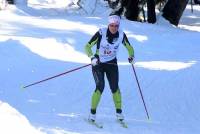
column 130, row 6
column 173, row 10
column 151, row 14
column 20, row 2
column 132, row 9
column 197, row 1
column 113, row 3
column 10, row 1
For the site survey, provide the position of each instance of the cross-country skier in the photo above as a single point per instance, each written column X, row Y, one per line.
column 104, row 61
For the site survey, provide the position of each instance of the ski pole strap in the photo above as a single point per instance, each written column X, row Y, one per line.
column 55, row 76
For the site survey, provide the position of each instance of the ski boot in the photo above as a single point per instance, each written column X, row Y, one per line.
column 120, row 116
column 92, row 117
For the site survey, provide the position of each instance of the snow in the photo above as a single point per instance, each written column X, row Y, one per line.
column 37, row 42
column 14, row 122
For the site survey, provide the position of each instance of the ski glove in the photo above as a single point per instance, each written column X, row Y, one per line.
column 94, row 61
column 131, row 60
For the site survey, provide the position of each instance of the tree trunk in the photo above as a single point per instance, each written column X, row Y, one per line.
column 132, row 9
column 151, row 14
column 197, row 1
column 173, row 10
column 10, row 1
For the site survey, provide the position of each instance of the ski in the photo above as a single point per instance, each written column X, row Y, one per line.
column 122, row 123
column 94, row 123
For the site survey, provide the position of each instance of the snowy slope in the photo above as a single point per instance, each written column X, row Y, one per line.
column 13, row 122
column 34, row 46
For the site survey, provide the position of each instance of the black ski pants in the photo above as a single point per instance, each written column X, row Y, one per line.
column 111, row 70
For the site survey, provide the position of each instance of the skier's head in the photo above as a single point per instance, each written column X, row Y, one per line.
column 114, row 19
column 113, row 23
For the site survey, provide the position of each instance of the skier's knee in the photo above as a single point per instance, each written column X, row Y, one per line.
column 99, row 90
column 114, row 90
column 100, row 87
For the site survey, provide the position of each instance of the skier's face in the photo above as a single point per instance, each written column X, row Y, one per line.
column 113, row 28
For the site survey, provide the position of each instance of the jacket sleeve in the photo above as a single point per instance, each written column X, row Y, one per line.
column 128, row 46
column 93, row 41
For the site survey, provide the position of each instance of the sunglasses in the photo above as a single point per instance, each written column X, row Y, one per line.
column 111, row 25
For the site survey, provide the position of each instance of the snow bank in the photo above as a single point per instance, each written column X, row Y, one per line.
column 12, row 122
column 3, row 4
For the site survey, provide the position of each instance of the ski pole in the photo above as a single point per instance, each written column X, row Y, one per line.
column 55, row 76
column 140, row 91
